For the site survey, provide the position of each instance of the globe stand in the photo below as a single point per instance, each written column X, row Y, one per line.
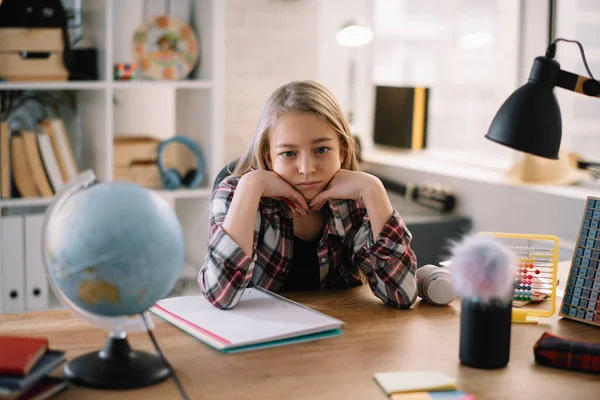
column 116, row 366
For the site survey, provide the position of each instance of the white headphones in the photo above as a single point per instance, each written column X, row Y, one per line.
column 434, row 284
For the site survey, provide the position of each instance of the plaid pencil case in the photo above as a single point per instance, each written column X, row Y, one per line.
column 558, row 352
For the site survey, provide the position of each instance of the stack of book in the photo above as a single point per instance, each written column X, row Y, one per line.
column 25, row 365
column 35, row 163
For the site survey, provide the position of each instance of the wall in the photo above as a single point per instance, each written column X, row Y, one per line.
column 333, row 60
column 578, row 20
column 269, row 42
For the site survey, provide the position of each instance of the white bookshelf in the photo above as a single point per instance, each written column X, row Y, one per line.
column 106, row 108
column 195, row 84
column 94, row 85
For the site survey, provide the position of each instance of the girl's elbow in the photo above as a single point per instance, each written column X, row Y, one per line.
column 218, row 302
column 215, row 297
column 222, row 305
column 406, row 296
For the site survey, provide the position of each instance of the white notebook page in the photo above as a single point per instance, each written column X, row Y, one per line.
column 259, row 317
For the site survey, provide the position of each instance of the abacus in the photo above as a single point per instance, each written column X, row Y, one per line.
column 536, row 274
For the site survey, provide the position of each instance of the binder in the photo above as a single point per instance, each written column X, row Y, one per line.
column 1, row 271
column 36, row 282
column 13, row 264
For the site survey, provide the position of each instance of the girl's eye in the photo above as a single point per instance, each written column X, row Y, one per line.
column 287, row 154
column 322, row 150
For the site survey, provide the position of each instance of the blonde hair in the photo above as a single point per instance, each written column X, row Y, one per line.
column 304, row 97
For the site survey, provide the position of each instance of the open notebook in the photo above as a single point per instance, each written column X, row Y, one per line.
column 261, row 319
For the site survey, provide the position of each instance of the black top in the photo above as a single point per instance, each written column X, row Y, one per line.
column 304, row 272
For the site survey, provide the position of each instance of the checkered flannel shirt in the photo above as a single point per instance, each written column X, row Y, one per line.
column 558, row 352
column 345, row 248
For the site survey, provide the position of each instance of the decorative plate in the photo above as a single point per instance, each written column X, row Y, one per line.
column 165, row 48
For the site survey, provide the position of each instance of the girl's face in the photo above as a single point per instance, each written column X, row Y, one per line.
column 305, row 151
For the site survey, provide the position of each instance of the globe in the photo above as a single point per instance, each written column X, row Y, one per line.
column 111, row 250
column 114, row 249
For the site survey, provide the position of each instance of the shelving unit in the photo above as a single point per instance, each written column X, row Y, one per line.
column 93, row 85
column 193, row 107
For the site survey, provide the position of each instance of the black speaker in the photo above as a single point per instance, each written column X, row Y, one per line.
column 85, row 65
column 401, row 117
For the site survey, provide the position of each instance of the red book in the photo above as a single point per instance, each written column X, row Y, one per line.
column 18, row 354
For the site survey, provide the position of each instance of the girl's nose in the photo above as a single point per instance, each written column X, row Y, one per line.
column 307, row 165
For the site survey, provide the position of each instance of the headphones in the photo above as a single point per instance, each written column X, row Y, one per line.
column 171, row 178
column 434, row 284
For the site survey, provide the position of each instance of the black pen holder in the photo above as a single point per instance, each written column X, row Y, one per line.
column 485, row 333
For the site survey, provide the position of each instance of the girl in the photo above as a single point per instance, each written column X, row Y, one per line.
column 296, row 214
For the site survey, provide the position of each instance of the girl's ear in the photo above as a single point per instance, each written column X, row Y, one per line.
column 343, row 153
column 268, row 160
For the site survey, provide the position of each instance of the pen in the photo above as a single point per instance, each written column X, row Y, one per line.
column 292, row 205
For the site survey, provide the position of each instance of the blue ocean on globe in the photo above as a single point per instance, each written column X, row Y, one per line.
column 115, row 248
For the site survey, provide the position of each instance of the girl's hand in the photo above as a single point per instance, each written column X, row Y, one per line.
column 269, row 184
column 350, row 185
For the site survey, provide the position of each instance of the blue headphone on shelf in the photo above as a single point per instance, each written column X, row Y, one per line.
column 171, row 178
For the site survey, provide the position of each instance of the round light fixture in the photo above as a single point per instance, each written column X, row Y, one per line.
column 354, row 35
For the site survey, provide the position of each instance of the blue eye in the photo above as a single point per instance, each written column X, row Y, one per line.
column 322, row 150
column 287, row 154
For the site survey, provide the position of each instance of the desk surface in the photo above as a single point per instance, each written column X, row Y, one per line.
column 377, row 339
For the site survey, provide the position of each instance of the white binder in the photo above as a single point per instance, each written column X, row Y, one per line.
column 36, row 282
column 13, row 264
column 1, row 272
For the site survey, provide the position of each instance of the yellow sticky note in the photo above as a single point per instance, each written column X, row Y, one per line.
column 404, row 382
column 411, row 396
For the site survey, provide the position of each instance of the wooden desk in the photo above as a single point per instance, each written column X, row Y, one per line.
column 377, row 338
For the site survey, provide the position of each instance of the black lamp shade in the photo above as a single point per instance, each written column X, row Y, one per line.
column 529, row 120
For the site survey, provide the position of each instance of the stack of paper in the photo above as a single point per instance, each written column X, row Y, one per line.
column 419, row 386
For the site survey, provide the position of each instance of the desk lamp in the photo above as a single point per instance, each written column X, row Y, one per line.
column 353, row 35
column 530, row 120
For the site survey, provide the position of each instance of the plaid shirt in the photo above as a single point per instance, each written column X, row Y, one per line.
column 345, row 248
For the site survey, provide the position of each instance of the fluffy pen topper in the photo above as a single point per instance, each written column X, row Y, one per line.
column 483, row 268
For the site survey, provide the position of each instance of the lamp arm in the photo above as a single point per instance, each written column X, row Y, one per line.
column 570, row 81
column 577, row 83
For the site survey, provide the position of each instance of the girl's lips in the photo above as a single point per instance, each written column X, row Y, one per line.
column 308, row 184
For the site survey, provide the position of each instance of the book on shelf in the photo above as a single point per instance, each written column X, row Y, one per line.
column 35, row 164
column 55, row 128
column 22, row 174
column 5, row 180
column 50, row 161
